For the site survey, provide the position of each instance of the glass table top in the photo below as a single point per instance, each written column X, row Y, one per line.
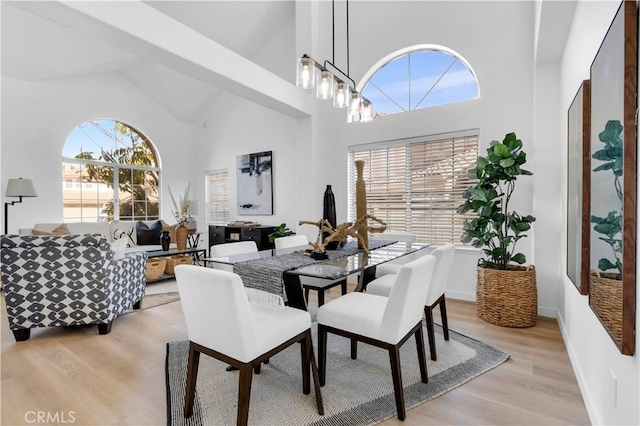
column 332, row 269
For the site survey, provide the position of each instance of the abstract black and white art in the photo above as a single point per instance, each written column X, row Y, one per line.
column 255, row 185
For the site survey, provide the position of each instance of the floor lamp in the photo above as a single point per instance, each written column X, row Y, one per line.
column 17, row 188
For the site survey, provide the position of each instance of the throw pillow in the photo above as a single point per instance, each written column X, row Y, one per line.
column 118, row 247
column 171, row 229
column 60, row 230
column 148, row 236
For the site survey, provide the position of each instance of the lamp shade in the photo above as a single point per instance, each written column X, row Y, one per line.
column 194, row 207
column 324, row 85
column 305, row 73
column 366, row 114
column 353, row 112
column 20, row 188
column 341, row 95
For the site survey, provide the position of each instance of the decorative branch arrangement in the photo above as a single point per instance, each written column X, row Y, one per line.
column 344, row 230
column 181, row 211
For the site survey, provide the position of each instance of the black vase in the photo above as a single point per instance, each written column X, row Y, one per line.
column 165, row 240
column 329, row 213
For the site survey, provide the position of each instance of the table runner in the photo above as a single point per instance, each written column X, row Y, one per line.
column 266, row 274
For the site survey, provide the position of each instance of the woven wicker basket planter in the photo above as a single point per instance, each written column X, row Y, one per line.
column 507, row 298
column 605, row 298
column 173, row 261
column 155, row 268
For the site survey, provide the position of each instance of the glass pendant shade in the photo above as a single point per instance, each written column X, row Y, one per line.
column 324, row 85
column 366, row 113
column 341, row 95
column 353, row 111
column 305, row 73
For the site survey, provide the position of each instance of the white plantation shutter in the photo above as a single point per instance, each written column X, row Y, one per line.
column 416, row 185
column 217, row 188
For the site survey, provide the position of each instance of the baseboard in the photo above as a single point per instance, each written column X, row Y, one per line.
column 594, row 416
column 471, row 297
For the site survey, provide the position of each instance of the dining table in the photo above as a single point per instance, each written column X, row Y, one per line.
column 278, row 271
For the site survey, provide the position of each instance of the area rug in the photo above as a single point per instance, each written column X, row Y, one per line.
column 160, row 293
column 357, row 392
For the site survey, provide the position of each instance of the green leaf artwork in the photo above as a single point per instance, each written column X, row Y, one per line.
column 611, row 225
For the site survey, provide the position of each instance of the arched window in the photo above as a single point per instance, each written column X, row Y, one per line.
column 419, row 77
column 110, row 171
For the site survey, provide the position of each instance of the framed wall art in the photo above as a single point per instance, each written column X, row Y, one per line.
column 614, row 76
column 578, row 188
column 255, row 183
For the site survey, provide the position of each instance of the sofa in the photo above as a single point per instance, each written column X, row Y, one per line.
column 113, row 230
column 67, row 280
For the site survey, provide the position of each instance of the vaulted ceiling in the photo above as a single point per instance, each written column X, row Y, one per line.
column 35, row 48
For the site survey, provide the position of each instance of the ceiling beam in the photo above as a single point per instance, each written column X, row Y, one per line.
column 149, row 34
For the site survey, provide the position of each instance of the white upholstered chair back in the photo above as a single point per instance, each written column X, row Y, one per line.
column 406, row 301
column 291, row 241
column 231, row 249
column 216, row 310
column 444, row 261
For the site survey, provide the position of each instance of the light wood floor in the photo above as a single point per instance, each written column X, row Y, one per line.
column 119, row 379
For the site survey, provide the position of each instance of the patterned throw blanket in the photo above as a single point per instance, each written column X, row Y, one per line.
column 266, row 274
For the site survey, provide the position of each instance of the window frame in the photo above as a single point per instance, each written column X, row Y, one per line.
column 435, row 231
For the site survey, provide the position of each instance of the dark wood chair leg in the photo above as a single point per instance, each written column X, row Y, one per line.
column 421, row 354
column 22, row 334
column 304, row 356
column 443, row 315
column 138, row 304
column 320, row 298
column 394, row 360
column 322, row 353
column 105, row 328
column 256, row 369
column 306, row 294
column 316, row 377
column 354, row 349
column 343, row 287
column 244, row 394
column 428, row 314
column 192, row 375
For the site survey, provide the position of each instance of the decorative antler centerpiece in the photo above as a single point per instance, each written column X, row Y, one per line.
column 347, row 229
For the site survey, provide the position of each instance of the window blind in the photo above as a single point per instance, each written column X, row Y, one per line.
column 417, row 186
column 217, row 188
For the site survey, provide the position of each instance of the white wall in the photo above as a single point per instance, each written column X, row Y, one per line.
column 593, row 353
column 38, row 116
column 504, row 66
column 233, row 126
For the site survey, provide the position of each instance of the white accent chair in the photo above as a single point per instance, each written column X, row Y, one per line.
column 310, row 283
column 444, row 260
column 223, row 324
column 380, row 321
column 393, row 266
column 231, row 249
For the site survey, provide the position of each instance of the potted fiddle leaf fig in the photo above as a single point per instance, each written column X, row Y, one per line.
column 506, row 293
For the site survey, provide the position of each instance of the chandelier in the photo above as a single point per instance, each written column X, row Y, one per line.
column 334, row 84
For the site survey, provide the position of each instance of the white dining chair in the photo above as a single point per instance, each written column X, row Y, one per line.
column 231, row 249
column 444, row 260
column 309, row 283
column 393, row 266
column 385, row 322
column 223, row 324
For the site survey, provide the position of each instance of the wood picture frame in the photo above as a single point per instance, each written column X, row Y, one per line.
column 614, row 87
column 579, row 187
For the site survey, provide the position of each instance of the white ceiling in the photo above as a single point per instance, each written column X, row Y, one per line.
column 36, row 49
